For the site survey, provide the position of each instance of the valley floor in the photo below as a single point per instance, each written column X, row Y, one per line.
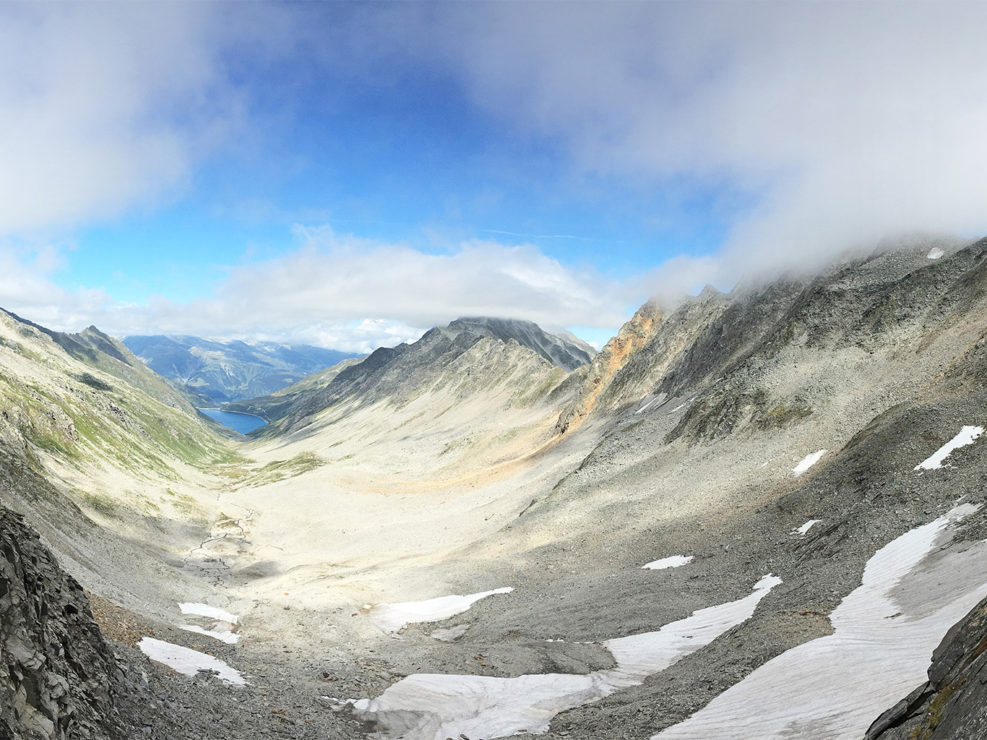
column 310, row 569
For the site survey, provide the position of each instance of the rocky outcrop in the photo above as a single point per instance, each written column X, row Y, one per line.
column 873, row 305
column 678, row 332
column 615, row 354
column 55, row 668
column 952, row 704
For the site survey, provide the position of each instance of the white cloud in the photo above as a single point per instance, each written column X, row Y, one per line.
column 840, row 123
column 346, row 290
column 342, row 292
column 846, row 123
column 27, row 289
column 108, row 105
column 344, row 278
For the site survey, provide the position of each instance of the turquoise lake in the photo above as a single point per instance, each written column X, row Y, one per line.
column 242, row 423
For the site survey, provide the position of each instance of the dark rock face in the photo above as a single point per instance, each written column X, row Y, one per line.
column 718, row 350
column 55, row 668
column 952, row 704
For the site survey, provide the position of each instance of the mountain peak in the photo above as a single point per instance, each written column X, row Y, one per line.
column 562, row 350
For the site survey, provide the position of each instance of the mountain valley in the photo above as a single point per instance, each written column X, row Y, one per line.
column 753, row 514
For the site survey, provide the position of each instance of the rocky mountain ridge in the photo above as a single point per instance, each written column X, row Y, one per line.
column 562, row 349
column 438, row 359
column 867, row 303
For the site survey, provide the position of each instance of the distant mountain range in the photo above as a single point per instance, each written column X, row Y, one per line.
column 215, row 372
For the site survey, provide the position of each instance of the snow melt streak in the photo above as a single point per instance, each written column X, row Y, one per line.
column 673, row 561
column 440, row 706
column 222, row 635
column 392, row 617
column 807, row 462
column 188, row 662
column 966, row 437
column 804, row 529
column 646, row 406
column 835, row 686
column 204, row 610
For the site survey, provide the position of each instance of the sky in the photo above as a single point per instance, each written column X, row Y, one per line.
column 351, row 174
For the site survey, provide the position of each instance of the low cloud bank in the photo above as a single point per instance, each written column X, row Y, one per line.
column 344, row 293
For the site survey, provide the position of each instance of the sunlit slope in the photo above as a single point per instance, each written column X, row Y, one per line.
column 418, row 451
column 401, row 372
column 96, row 447
column 459, row 401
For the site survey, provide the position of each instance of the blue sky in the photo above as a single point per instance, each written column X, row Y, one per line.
column 351, row 174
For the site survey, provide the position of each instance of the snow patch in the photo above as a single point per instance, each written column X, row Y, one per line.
column 807, row 462
column 230, row 638
column 392, row 617
column 806, row 527
column 188, row 662
column 681, row 406
column 646, row 406
column 673, row 561
column 440, row 706
column 204, row 610
column 884, row 634
column 966, row 437
column 935, row 253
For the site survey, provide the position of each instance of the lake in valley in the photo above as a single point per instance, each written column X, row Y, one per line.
column 243, row 423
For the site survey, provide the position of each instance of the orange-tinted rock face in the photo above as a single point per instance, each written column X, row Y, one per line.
column 632, row 336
